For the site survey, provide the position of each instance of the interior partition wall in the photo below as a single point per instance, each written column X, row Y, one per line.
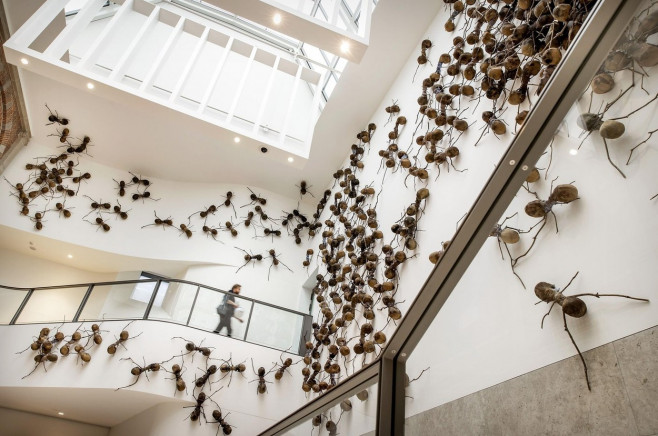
column 545, row 125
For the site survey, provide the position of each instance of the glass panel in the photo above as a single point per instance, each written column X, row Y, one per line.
column 205, row 314
column 275, row 328
column 119, row 301
column 176, row 304
column 52, row 305
column 9, row 302
column 554, row 309
column 350, row 415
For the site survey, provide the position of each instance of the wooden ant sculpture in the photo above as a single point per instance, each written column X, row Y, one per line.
column 44, row 345
column 228, row 368
column 197, row 409
column 55, row 118
column 205, row 213
column 230, row 227
column 304, row 189
column 261, row 388
column 138, row 370
column 185, row 230
column 562, row 194
column 307, row 261
column 210, row 231
column 121, row 187
column 221, row 420
column 249, row 218
column 100, row 223
column 97, row 206
column 191, row 347
column 123, row 337
column 275, row 262
column 227, row 202
column 571, row 305
column 425, row 45
column 60, row 207
column 160, row 222
column 248, row 257
column 255, row 199
column 205, row 378
column 507, row 235
column 63, row 135
column 283, row 368
column 177, row 371
column 119, row 212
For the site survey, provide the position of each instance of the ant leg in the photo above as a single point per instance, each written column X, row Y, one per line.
column 564, row 317
column 607, row 152
column 513, row 266
column 534, row 240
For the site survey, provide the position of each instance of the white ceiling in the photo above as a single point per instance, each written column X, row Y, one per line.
column 169, row 145
column 104, row 407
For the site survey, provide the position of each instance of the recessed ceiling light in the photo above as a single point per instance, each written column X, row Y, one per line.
column 345, row 47
column 70, row 256
column 60, row 413
column 573, row 152
column 290, row 159
column 277, row 18
column 24, row 61
column 90, row 85
column 236, row 139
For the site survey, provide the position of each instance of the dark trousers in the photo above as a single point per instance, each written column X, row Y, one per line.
column 224, row 321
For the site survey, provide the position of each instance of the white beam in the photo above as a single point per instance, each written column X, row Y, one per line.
column 94, row 51
column 266, row 96
column 37, row 23
column 295, row 86
column 119, row 68
column 63, row 41
column 215, row 76
column 190, row 64
column 243, row 80
column 175, row 33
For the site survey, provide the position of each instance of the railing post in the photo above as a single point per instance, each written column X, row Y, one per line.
column 193, row 304
column 153, row 295
column 21, row 307
column 246, row 330
column 82, row 304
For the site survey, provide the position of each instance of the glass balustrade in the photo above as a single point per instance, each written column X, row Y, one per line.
column 173, row 301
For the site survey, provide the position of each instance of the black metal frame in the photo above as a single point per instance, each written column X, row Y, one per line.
column 596, row 38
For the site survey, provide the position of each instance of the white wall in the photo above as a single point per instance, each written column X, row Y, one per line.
column 178, row 201
column 155, row 344
column 17, row 423
column 489, row 330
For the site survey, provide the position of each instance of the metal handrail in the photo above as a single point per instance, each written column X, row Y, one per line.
column 90, row 286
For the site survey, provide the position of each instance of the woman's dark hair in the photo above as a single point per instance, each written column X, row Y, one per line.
column 235, row 286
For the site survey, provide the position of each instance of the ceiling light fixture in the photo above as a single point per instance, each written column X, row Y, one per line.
column 236, row 139
column 291, row 160
column 345, row 47
column 90, row 85
column 70, row 256
column 573, row 152
column 60, row 413
column 277, row 18
column 24, row 61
